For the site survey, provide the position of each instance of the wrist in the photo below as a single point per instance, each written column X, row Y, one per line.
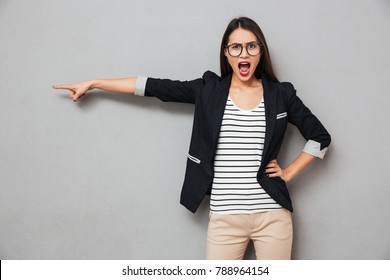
column 287, row 175
column 93, row 84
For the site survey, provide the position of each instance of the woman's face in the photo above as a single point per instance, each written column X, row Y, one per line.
column 244, row 64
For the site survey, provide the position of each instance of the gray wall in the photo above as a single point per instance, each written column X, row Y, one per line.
column 101, row 178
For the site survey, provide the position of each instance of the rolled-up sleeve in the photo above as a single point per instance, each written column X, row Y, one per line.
column 140, row 86
column 314, row 148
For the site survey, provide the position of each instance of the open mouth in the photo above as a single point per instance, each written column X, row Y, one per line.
column 244, row 68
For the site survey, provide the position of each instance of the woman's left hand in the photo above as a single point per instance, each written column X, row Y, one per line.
column 274, row 170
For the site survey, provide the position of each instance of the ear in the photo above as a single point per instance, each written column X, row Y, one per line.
column 225, row 52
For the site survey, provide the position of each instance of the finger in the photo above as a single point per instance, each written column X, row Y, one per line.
column 70, row 87
column 72, row 95
column 272, row 162
column 271, row 165
column 78, row 95
column 75, row 96
column 274, row 175
column 272, row 170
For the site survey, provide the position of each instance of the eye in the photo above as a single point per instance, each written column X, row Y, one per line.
column 252, row 46
column 235, row 46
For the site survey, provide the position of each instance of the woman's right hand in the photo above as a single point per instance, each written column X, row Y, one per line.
column 76, row 90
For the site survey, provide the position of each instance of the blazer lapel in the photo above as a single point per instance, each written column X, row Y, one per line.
column 270, row 116
column 220, row 98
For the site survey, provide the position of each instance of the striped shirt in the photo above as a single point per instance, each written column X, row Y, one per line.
column 235, row 188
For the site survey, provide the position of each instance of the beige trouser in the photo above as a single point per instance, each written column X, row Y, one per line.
column 271, row 232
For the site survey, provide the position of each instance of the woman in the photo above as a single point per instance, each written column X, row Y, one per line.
column 239, row 123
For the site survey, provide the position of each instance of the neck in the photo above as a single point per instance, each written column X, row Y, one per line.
column 237, row 82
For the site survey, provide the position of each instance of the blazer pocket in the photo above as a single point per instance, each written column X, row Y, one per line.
column 281, row 115
column 194, row 159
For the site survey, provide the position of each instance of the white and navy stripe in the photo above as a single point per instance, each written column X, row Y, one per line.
column 235, row 187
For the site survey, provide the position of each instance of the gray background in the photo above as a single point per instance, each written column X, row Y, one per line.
column 101, row 178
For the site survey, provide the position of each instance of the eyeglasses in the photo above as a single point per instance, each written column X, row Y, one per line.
column 252, row 49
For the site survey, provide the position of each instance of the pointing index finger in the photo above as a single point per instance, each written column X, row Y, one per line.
column 60, row 86
column 68, row 87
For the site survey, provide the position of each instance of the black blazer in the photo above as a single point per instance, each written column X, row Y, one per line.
column 209, row 94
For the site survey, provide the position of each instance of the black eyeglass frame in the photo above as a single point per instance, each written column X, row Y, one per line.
column 242, row 47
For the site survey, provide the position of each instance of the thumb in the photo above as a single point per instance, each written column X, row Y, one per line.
column 78, row 94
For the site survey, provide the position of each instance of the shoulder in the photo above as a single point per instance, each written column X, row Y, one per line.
column 209, row 75
column 284, row 89
column 214, row 81
column 287, row 87
column 281, row 86
column 288, row 91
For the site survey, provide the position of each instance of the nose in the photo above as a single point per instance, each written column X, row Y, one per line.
column 244, row 52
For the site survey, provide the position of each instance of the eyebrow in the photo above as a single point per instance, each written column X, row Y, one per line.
column 247, row 43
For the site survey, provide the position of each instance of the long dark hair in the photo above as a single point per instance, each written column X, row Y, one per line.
column 264, row 68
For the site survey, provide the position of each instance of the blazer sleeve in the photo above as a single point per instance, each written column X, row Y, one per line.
column 178, row 91
column 318, row 138
column 174, row 91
